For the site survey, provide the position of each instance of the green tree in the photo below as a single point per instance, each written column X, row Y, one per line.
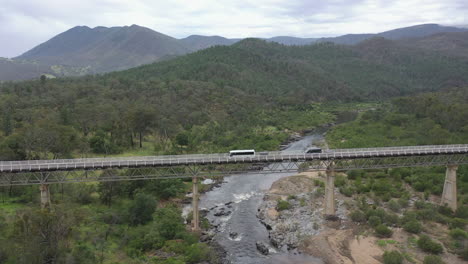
column 141, row 209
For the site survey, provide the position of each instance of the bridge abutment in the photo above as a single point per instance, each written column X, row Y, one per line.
column 330, row 192
column 196, row 216
column 449, row 195
column 45, row 196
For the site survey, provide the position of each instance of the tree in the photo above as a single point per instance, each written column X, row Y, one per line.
column 141, row 209
column 168, row 223
column 141, row 119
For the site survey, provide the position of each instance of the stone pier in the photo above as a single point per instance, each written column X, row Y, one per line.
column 196, row 217
column 449, row 195
column 45, row 196
column 330, row 192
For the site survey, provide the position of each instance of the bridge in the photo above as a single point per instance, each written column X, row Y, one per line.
column 45, row 172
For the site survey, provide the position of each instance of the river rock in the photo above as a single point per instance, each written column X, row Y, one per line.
column 262, row 248
column 207, row 181
column 233, row 235
column 222, row 212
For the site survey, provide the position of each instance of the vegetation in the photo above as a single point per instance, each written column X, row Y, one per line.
column 282, row 205
column 427, row 244
column 383, row 231
column 392, row 257
column 432, row 259
column 383, row 195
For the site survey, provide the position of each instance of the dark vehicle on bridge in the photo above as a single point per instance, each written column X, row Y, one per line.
column 242, row 152
column 313, row 150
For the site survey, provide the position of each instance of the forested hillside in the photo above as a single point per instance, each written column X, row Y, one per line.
column 212, row 100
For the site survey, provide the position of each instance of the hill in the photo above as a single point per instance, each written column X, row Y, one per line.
column 106, row 49
column 21, row 70
column 198, row 42
column 452, row 43
column 395, row 34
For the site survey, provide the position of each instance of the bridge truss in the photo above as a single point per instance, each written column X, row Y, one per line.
column 214, row 170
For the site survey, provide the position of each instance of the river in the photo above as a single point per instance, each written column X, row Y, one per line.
column 242, row 195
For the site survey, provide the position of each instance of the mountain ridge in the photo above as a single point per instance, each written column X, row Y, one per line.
column 84, row 50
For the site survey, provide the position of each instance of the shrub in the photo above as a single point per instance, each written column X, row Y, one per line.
column 392, row 219
column 458, row 234
column 292, row 197
column 383, row 231
column 283, row 205
column 358, row 216
column 340, row 181
column 457, row 223
column 428, row 245
column 413, row 226
column 197, row 253
column 347, row 191
column 394, row 206
column 404, row 202
column 374, row 221
column 462, row 212
column 432, row 259
column 392, row 257
column 445, row 210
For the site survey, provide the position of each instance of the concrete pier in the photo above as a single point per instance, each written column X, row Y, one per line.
column 45, row 196
column 330, row 192
column 196, row 216
column 449, row 195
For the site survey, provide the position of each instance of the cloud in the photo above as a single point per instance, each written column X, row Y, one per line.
column 27, row 23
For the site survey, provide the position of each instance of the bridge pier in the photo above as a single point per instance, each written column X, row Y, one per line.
column 45, row 196
column 196, row 215
column 330, row 192
column 449, row 195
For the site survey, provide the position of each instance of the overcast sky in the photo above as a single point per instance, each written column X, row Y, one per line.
column 27, row 23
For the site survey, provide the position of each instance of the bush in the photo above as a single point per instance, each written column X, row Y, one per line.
column 358, row 216
column 383, row 231
column 432, row 259
column 340, row 181
column 458, row 234
column 374, row 221
column 392, row 257
column 197, row 253
column 392, row 219
column 413, row 226
column 282, row 205
column 347, row 191
column 426, row 244
column 394, row 206
column 457, row 223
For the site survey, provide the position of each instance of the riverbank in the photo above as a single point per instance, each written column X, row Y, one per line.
column 292, row 213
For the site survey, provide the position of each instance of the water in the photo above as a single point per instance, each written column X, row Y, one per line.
column 245, row 194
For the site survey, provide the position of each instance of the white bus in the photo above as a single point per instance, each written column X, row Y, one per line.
column 242, row 152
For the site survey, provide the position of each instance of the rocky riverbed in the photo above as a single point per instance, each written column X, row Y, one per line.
column 292, row 211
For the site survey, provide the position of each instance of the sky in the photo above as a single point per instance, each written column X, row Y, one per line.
column 27, row 23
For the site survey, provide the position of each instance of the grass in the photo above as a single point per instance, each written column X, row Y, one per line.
column 385, row 242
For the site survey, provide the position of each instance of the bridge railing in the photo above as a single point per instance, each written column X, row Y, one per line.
column 172, row 160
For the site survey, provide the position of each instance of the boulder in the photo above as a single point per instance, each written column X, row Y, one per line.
column 262, row 248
